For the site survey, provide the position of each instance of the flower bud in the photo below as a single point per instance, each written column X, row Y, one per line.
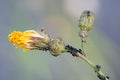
column 57, row 46
column 86, row 20
column 85, row 23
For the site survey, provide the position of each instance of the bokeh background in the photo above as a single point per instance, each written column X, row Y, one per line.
column 60, row 19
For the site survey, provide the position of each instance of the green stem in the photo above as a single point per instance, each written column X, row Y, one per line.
column 78, row 53
column 82, row 46
column 99, row 72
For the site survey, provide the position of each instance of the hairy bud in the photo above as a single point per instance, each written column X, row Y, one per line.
column 86, row 20
column 85, row 24
column 57, row 46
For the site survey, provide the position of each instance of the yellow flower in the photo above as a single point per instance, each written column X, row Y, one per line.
column 29, row 39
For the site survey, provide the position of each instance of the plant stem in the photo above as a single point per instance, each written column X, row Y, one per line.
column 99, row 72
column 82, row 46
column 78, row 53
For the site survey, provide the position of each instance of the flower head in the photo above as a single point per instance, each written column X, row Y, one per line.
column 33, row 40
column 29, row 39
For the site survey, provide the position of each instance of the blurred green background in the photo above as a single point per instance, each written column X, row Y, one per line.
column 60, row 19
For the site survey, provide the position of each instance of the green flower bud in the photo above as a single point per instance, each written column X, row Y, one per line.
column 86, row 20
column 57, row 47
